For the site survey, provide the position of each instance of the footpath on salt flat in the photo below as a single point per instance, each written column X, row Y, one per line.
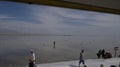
column 89, row 63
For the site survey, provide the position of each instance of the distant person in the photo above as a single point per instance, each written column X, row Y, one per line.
column 81, row 59
column 54, row 44
column 103, row 53
column 107, row 55
column 32, row 59
column 99, row 53
column 119, row 56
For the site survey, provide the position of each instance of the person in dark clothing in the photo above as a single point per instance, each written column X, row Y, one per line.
column 103, row 53
column 31, row 64
column 119, row 56
column 54, row 44
column 107, row 55
column 99, row 53
column 81, row 59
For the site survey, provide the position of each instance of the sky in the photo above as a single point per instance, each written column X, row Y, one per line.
column 39, row 19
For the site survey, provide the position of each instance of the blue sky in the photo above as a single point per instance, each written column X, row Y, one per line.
column 25, row 18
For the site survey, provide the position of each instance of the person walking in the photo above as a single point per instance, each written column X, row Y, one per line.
column 32, row 59
column 81, row 59
column 99, row 53
column 103, row 53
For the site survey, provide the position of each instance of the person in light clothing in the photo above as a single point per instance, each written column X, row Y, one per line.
column 32, row 59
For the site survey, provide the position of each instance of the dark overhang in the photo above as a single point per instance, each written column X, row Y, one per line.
column 105, row 6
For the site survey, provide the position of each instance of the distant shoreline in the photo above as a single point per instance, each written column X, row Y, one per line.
column 32, row 35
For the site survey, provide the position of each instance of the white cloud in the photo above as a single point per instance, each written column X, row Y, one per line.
column 105, row 20
column 67, row 13
column 107, row 17
column 53, row 20
column 58, row 12
column 22, row 26
column 50, row 19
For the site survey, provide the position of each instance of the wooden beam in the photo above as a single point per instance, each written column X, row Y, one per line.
column 65, row 4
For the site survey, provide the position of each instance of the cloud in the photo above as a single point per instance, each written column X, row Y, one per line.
column 21, row 26
column 50, row 18
column 68, row 16
column 105, row 20
column 5, row 17
column 61, row 21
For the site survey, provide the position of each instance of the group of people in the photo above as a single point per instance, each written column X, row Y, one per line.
column 32, row 59
column 101, row 53
column 104, row 54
